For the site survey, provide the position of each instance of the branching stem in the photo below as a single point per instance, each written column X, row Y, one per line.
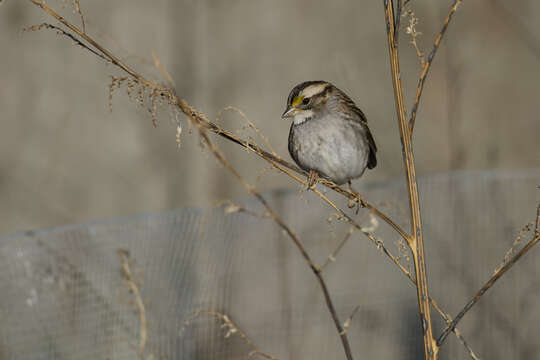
column 429, row 61
column 415, row 240
column 492, row 280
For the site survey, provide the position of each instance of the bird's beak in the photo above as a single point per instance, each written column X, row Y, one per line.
column 289, row 113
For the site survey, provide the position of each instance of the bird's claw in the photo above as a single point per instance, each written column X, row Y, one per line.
column 312, row 179
column 357, row 201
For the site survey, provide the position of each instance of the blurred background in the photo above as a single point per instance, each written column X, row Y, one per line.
column 64, row 158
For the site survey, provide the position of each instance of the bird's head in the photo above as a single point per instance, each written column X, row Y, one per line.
column 306, row 100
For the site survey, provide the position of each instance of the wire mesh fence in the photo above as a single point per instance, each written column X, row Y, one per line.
column 226, row 283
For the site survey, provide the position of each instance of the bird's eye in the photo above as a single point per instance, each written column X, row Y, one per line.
column 305, row 101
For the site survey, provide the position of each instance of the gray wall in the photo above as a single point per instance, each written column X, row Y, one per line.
column 64, row 158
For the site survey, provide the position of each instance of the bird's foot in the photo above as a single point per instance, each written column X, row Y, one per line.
column 357, row 201
column 312, row 179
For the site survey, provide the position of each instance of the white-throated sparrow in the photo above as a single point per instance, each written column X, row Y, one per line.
column 329, row 134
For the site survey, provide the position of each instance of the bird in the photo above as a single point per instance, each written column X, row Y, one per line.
column 329, row 136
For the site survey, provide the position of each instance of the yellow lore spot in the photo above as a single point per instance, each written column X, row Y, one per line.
column 297, row 100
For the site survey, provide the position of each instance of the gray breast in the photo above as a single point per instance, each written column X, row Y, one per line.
column 334, row 147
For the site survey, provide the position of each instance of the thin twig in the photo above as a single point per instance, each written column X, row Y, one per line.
column 61, row 31
column 411, row 30
column 232, row 208
column 128, row 276
column 460, row 337
column 250, row 124
column 398, row 20
column 403, row 253
column 415, row 241
column 110, row 57
column 427, row 64
column 159, row 66
column 537, row 222
column 517, row 242
column 334, row 254
column 348, row 322
column 489, row 284
column 231, row 329
column 77, row 7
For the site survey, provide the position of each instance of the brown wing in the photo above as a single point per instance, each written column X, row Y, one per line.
column 361, row 118
column 372, row 159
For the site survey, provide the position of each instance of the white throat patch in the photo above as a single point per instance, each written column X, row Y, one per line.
column 302, row 117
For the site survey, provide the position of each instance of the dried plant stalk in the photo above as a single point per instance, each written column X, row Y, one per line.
column 427, row 64
column 134, row 288
column 231, row 329
column 415, row 240
column 517, row 241
column 77, row 6
column 249, row 125
column 411, row 30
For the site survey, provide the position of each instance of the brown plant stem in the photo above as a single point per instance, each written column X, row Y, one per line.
column 333, row 255
column 77, row 6
column 398, row 20
column 128, row 276
column 82, row 34
column 537, row 222
column 231, row 328
column 492, row 280
column 415, row 241
column 486, row 287
column 429, row 61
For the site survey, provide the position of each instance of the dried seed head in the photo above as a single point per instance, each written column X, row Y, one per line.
column 232, row 208
column 178, row 134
